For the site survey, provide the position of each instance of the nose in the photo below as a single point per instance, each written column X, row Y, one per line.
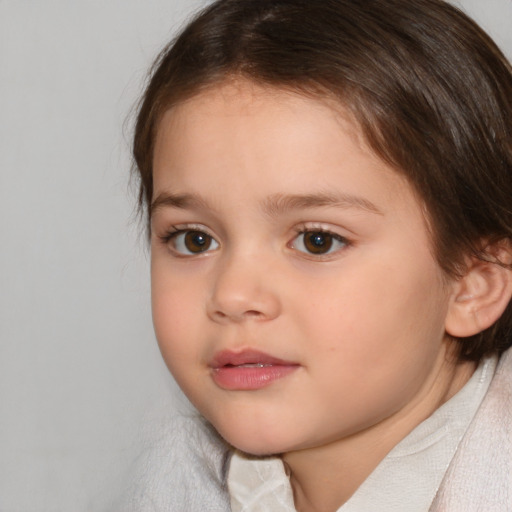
column 243, row 289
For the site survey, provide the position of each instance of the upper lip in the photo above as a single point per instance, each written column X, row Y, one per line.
column 248, row 356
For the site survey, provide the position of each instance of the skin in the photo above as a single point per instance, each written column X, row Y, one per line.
column 364, row 323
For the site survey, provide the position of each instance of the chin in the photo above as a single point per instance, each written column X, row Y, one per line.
column 266, row 443
column 253, row 441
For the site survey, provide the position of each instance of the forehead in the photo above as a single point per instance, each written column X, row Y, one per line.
column 241, row 102
column 246, row 139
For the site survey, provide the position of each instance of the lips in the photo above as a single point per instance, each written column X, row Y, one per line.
column 248, row 370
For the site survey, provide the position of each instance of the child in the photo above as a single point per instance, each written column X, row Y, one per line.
column 328, row 187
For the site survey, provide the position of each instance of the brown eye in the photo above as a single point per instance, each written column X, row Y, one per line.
column 196, row 241
column 318, row 242
column 191, row 242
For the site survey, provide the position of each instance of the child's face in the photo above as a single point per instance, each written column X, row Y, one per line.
column 299, row 301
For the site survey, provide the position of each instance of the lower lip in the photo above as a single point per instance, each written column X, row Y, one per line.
column 245, row 378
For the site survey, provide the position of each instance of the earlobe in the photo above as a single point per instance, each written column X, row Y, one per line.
column 480, row 296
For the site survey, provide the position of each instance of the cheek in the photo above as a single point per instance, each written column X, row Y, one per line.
column 175, row 310
column 375, row 314
column 374, row 345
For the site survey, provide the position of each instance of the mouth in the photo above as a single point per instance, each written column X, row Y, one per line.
column 248, row 370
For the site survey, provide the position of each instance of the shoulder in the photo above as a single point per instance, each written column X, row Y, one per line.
column 182, row 468
column 480, row 475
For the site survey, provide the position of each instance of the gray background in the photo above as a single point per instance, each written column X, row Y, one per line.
column 79, row 367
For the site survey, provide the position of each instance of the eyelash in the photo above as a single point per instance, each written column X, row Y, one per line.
column 333, row 238
column 175, row 232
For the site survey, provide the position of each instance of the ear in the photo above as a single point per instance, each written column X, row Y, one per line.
column 480, row 297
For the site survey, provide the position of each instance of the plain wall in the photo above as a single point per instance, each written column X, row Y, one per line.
column 78, row 362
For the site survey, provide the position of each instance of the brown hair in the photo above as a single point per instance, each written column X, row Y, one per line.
column 430, row 90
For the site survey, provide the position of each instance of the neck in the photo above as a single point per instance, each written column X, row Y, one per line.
column 324, row 477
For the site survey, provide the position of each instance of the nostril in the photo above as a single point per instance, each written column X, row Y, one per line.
column 252, row 312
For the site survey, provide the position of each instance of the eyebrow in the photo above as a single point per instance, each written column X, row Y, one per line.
column 280, row 203
column 273, row 205
column 180, row 201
